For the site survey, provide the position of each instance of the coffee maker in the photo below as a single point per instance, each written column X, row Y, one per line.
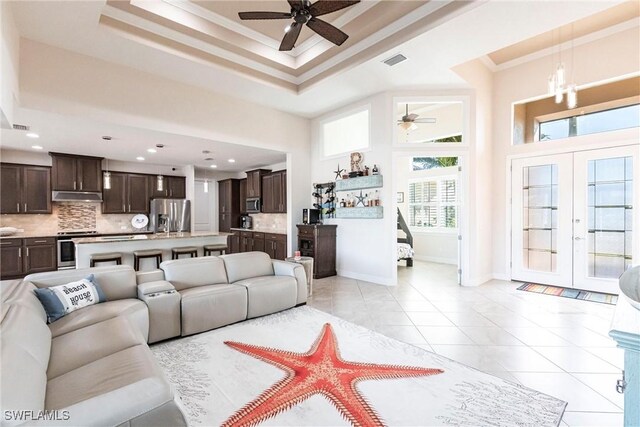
column 246, row 222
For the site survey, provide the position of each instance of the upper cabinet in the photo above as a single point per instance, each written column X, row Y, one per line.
column 173, row 187
column 76, row 173
column 274, row 192
column 254, row 182
column 228, row 204
column 25, row 189
column 129, row 193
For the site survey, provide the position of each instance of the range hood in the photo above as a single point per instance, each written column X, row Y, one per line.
column 76, row 196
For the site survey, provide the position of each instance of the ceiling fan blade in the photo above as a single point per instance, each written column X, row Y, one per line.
column 322, row 7
column 264, row 15
column 289, row 40
column 327, row 31
column 412, row 117
column 295, row 4
column 425, row 120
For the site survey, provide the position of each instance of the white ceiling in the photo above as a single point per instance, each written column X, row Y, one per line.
column 481, row 28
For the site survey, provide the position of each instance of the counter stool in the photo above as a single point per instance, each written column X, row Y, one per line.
column 106, row 257
column 221, row 247
column 184, row 250
column 147, row 253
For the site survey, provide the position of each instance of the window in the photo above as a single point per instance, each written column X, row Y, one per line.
column 429, row 122
column 600, row 121
column 346, row 134
column 426, row 163
column 433, row 203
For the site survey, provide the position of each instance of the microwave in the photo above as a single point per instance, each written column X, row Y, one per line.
column 252, row 205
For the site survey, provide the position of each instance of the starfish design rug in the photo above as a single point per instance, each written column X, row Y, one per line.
column 321, row 370
column 299, row 384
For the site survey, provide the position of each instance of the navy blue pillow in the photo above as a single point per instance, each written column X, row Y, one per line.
column 58, row 301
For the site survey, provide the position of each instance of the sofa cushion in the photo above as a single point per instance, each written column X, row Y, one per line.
column 117, row 281
column 85, row 345
column 246, row 265
column 192, row 272
column 134, row 309
column 269, row 294
column 25, row 343
column 209, row 307
column 103, row 376
column 58, row 301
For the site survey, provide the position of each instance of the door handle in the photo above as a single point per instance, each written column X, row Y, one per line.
column 81, row 185
column 74, row 185
column 27, row 252
column 19, row 252
column 18, row 206
column 25, row 207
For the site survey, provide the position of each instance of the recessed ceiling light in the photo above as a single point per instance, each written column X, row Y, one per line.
column 33, row 135
column 37, row 147
column 213, row 166
column 232, row 160
column 151, row 150
column 140, row 158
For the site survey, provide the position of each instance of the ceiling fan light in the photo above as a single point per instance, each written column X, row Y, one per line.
column 287, row 28
column 408, row 126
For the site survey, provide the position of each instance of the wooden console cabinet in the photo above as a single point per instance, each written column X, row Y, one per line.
column 319, row 242
column 19, row 257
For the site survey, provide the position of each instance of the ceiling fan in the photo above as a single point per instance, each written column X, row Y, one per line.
column 303, row 12
column 408, row 121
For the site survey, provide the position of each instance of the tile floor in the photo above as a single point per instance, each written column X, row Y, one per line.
column 555, row 345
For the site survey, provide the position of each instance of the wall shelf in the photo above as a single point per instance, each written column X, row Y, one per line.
column 359, row 183
column 366, row 212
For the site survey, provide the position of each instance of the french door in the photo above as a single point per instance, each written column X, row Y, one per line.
column 573, row 218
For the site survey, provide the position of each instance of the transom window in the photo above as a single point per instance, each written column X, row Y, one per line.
column 600, row 121
column 346, row 133
column 433, row 203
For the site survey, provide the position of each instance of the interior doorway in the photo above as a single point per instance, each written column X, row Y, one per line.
column 573, row 218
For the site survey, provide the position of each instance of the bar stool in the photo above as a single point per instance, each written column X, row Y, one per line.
column 184, row 250
column 147, row 253
column 221, row 247
column 106, row 257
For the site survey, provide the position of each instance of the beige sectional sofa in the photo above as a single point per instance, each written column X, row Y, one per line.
column 95, row 362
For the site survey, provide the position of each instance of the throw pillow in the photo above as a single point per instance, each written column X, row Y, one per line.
column 58, row 301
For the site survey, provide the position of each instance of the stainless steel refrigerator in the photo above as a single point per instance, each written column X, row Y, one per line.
column 171, row 215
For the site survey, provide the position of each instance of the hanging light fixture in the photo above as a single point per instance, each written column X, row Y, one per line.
column 160, row 182
column 408, row 126
column 106, row 176
column 205, row 187
column 558, row 77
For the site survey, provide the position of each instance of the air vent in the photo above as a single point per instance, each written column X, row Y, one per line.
column 21, row 127
column 395, row 59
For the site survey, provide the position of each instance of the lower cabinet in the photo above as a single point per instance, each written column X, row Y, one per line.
column 275, row 245
column 19, row 257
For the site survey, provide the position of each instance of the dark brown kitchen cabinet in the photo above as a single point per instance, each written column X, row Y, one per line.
column 25, row 189
column 76, row 173
column 233, row 242
column 228, row 204
column 274, row 192
column 11, row 264
column 243, row 195
column 19, row 257
column 40, row 255
column 173, row 187
column 275, row 245
column 258, row 242
column 129, row 193
column 246, row 241
column 319, row 242
column 254, row 182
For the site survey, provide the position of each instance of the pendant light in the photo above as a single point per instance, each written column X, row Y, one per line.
column 106, row 176
column 206, row 183
column 160, row 182
column 558, row 78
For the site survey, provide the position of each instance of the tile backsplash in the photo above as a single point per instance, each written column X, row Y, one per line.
column 70, row 217
column 275, row 222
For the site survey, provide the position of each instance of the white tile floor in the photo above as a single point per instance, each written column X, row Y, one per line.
column 555, row 345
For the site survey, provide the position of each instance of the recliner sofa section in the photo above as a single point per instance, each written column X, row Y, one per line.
column 95, row 362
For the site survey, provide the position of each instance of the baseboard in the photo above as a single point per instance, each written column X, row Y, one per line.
column 366, row 278
column 501, row 276
column 439, row 260
column 477, row 281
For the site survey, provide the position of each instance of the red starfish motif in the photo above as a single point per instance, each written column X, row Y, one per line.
column 321, row 370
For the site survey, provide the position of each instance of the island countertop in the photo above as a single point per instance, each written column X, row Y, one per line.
column 136, row 237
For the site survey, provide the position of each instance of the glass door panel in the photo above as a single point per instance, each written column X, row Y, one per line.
column 540, row 194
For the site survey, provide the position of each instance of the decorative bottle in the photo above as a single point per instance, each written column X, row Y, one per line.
column 375, row 170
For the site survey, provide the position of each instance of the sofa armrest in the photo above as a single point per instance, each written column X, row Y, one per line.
column 157, row 287
column 283, row 268
column 149, row 276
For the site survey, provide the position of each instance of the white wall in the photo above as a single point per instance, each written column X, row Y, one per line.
column 9, row 65
column 205, row 207
column 607, row 58
column 80, row 85
column 434, row 246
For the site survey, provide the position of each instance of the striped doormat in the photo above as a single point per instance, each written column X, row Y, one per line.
column 570, row 293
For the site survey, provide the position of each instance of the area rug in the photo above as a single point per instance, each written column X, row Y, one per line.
column 305, row 367
column 570, row 293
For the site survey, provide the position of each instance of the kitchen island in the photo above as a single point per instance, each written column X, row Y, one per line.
column 87, row 246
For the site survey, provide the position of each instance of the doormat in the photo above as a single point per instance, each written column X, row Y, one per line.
column 570, row 293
